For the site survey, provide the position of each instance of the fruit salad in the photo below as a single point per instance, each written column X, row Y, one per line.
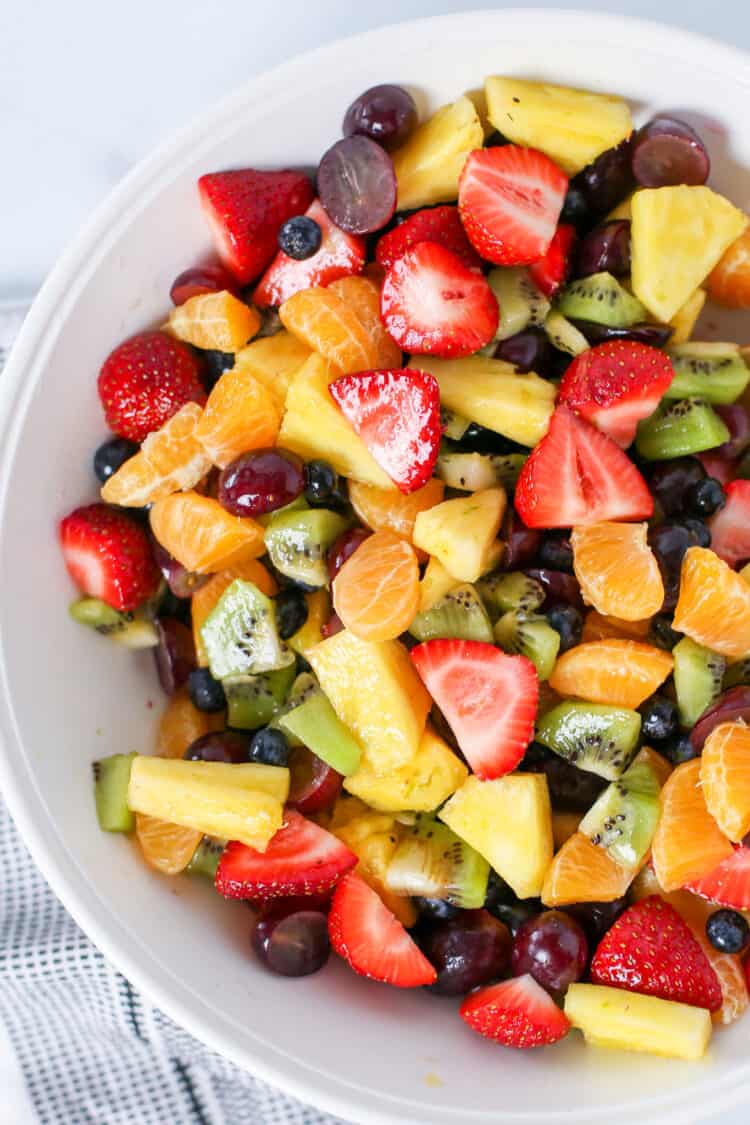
column 432, row 503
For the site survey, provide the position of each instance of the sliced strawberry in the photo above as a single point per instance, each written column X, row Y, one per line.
column 372, row 940
column 108, row 556
column 488, row 698
column 301, row 859
column 650, row 949
column 340, row 255
column 432, row 304
column 245, row 209
column 729, row 883
column 730, row 527
column 433, row 224
column 577, row 475
column 516, row 1013
column 615, row 385
column 397, row 415
column 551, row 272
column 510, row 199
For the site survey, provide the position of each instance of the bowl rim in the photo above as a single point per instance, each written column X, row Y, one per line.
column 43, row 322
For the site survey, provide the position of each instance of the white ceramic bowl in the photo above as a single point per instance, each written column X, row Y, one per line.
column 359, row 1049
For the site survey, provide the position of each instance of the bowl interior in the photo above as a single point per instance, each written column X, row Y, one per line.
column 367, row 1052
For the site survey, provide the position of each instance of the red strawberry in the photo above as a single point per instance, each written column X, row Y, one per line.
column 730, row 527
column 615, row 385
column 510, row 199
column 301, row 859
column 372, row 940
column 433, row 305
column 245, row 209
column 340, row 255
column 397, row 415
column 433, row 224
column 551, row 271
column 651, row 950
column 489, row 699
column 577, row 475
column 729, row 883
column 145, row 381
column 108, row 556
column 516, row 1012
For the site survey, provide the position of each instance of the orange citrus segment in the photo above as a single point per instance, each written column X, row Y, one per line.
column 376, row 592
column 597, row 627
column 725, row 777
column 201, row 535
column 331, row 327
column 167, row 847
column 617, row 570
column 218, row 321
column 383, row 509
column 241, row 414
column 564, row 825
column 729, row 281
column 181, row 723
column 582, row 872
column 205, row 598
column 622, row 673
column 714, row 604
column 362, row 295
column 688, row 842
column 171, row 459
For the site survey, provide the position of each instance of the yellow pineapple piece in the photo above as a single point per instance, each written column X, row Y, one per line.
column 461, row 532
column 509, row 822
column 421, row 785
column 393, row 511
column 274, row 361
column 428, row 165
column 678, row 235
column 684, row 320
column 318, row 612
column 613, row 1017
column 436, row 583
column 374, row 837
column 490, row 392
column 215, row 320
column 572, row 126
column 376, row 692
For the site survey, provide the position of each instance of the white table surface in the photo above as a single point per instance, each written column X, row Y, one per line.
column 87, row 89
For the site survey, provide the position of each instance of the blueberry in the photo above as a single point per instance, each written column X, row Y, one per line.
column 270, row 747
column 291, row 611
column 321, row 482
column 728, row 931
column 662, row 633
column 679, row 749
column 575, row 208
column 478, row 439
column 515, row 914
column 556, row 552
column 300, row 237
column 698, row 531
column 498, row 893
column 659, row 719
column 206, row 693
column 111, row 455
column 706, row 497
column 214, row 365
column 567, row 621
column 436, row 909
column 496, row 140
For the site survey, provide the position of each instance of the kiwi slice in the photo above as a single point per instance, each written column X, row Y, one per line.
column 471, row 472
column 111, row 781
column 297, row 542
column 240, row 634
column 303, row 687
column 602, row 299
column 531, row 636
column 624, row 818
column 713, row 372
column 453, row 425
column 299, row 504
column 698, row 674
column 502, row 592
column 206, row 857
column 677, row 429
column 592, row 736
column 125, row 628
column 563, row 335
column 521, row 303
column 317, row 726
column 252, row 701
column 433, row 862
column 460, row 613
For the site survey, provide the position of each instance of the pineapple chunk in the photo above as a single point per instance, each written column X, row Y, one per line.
column 313, row 427
column 572, row 126
column 509, row 822
column 428, row 165
column 374, row 837
column 678, row 235
column 318, row 612
column 420, row 786
column 274, row 361
column 435, row 584
column 684, row 320
column 461, row 532
column 232, row 802
column 612, row 1017
column 491, row 393
column 376, row 692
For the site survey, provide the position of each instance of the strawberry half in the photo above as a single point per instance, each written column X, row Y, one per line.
column 516, row 1013
column 301, row 859
column 108, row 556
column 433, row 224
column 340, row 255
column 397, row 415
column 245, row 210
column 729, row 883
column 577, row 475
column 615, row 385
column 488, row 698
column 551, row 272
column 651, row 950
column 510, row 199
column 730, row 527
column 372, row 940
column 432, row 304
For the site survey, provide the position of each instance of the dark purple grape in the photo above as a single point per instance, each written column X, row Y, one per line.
column 605, row 249
column 556, row 552
column 183, row 583
column 467, row 951
column 575, row 208
column 595, row 918
column 261, row 481
column 219, row 746
column 670, row 482
column 174, row 654
column 477, row 439
column 435, row 909
column 705, row 498
column 736, row 420
column 386, row 114
column 521, row 542
column 560, row 588
column 553, row 948
column 291, row 944
column 570, row 789
column 608, row 179
column 655, row 335
column 731, row 706
column 357, row 185
column 291, row 611
column 344, row 547
column 530, row 350
column 669, row 542
column 668, row 152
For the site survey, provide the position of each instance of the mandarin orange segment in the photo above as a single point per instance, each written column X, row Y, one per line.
column 597, row 627
column 205, row 598
column 167, row 847
column 383, row 509
column 714, row 604
column 725, row 777
column 688, row 842
column 202, row 535
column 729, row 281
column 171, row 458
column 564, row 825
column 331, row 327
column 376, row 592
column 620, row 672
column 363, row 296
column 617, row 570
column 181, row 723
column 583, row 872
column 241, row 414
column 217, row 321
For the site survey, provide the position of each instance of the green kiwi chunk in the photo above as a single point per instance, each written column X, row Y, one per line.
column 111, row 781
column 454, row 425
column 565, row 336
column 679, row 428
column 460, row 614
column 317, row 726
column 206, row 857
column 471, row 472
column 602, row 299
column 240, row 634
column 433, row 862
column 521, row 303
column 502, row 591
column 592, row 736
column 252, row 701
column 623, row 818
column 698, row 674
column 297, row 542
column 304, row 686
column 531, row 636
column 299, row 504
column 713, row 372
column 125, row 628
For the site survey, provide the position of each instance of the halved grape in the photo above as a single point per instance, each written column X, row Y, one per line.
column 732, row 706
column 183, row 583
column 219, row 746
column 605, row 249
column 530, row 350
column 560, row 588
column 175, row 653
column 521, row 542
column 314, row 784
column 261, row 481
column 608, row 179
column 467, row 951
column 385, row 113
column 293, row 944
column 737, row 422
column 671, row 481
column 655, row 335
column 344, row 547
column 357, row 185
column 201, row 279
column 667, row 152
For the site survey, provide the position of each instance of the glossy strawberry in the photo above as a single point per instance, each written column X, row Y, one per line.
column 108, row 556
column 516, row 1013
column 729, row 883
column 433, row 224
column 730, row 527
column 551, row 272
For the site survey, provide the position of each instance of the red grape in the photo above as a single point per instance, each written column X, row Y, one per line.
column 291, row 944
column 737, row 422
column 731, row 706
column 219, row 746
column 183, row 583
column 261, row 481
column 386, row 114
column 530, row 350
column 469, row 950
column 314, row 784
column 668, row 152
column 606, row 248
column 201, row 279
column 553, row 948
column 175, row 653
column 344, row 547
column 357, row 185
